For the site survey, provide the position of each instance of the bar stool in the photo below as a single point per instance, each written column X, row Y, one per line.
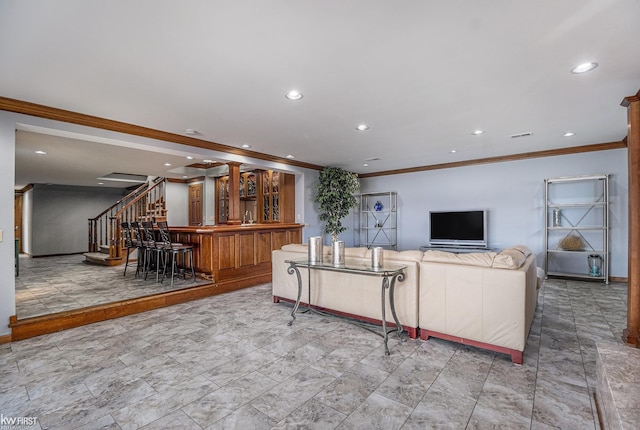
column 154, row 250
column 173, row 249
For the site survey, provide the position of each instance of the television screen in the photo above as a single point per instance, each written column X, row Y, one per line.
column 458, row 228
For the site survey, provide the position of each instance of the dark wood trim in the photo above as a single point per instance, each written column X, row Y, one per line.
column 516, row 356
column 41, row 111
column 618, row 279
column 5, row 338
column 631, row 334
column 514, row 157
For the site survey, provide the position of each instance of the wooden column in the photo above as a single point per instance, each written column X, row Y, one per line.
column 234, row 194
column 631, row 335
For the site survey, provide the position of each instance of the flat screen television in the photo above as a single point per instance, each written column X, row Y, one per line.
column 458, row 228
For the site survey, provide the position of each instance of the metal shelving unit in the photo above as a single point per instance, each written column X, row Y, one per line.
column 379, row 220
column 577, row 227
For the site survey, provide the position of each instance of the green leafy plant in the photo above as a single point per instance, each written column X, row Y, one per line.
column 336, row 197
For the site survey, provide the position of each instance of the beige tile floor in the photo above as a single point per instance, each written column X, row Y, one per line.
column 232, row 362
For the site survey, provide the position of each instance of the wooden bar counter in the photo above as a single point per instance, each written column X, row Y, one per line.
column 239, row 254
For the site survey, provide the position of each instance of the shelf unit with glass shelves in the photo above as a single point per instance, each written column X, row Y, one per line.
column 379, row 220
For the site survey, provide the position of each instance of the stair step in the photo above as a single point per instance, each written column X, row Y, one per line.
column 104, row 249
column 101, row 259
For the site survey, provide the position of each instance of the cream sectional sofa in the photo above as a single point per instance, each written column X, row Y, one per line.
column 483, row 299
column 356, row 296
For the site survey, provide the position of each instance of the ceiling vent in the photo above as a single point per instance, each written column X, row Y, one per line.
column 528, row 133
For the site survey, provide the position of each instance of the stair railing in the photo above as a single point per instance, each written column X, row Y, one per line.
column 104, row 229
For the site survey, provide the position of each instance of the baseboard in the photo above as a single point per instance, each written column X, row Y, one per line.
column 5, row 338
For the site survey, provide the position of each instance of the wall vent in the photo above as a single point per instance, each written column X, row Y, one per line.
column 528, row 133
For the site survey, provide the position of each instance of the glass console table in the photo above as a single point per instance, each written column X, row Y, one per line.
column 390, row 273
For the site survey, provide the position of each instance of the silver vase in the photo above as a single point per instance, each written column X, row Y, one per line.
column 337, row 254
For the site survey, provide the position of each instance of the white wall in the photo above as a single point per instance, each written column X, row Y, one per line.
column 512, row 192
column 177, row 205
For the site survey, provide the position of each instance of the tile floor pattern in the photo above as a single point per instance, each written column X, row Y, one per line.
column 55, row 284
column 232, row 362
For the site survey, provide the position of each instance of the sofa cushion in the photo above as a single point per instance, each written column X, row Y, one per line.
column 509, row 258
column 481, row 259
column 302, row 248
column 389, row 254
column 355, row 252
column 522, row 248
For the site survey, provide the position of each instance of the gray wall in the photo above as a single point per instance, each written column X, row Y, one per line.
column 59, row 216
column 512, row 192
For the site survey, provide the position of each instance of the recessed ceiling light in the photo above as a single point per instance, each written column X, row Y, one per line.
column 189, row 157
column 40, row 152
column 190, row 131
column 246, row 145
column 184, row 176
column 477, row 132
column 100, row 183
column 365, row 165
column 207, row 161
column 290, row 157
column 453, row 151
column 362, row 127
column 584, row 67
column 293, row 95
column 569, row 134
column 167, row 164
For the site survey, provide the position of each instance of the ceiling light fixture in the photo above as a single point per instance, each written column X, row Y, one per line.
column 477, row 132
column 40, row 152
column 362, row 127
column 290, row 157
column 569, row 134
column 207, row 161
column 453, row 151
column 189, row 157
column 100, row 183
column 365, row 165
column 167, row 164
column 293, row 95
column 584, row 67
column 246, row 145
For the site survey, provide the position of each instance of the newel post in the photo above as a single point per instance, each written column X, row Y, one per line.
column 631, row 335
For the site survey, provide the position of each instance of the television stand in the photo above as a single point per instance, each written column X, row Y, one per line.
column 457, row 249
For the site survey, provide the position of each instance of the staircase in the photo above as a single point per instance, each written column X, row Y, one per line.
column 145, row 203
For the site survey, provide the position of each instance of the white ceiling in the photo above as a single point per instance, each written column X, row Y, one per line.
column 423, row 74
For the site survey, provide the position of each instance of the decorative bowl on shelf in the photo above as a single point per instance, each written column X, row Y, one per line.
column 572, row 243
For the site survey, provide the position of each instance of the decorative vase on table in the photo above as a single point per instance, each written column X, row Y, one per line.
column 377, row 206
column 337, row 253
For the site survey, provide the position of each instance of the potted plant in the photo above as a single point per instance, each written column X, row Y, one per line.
column 336, row 197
